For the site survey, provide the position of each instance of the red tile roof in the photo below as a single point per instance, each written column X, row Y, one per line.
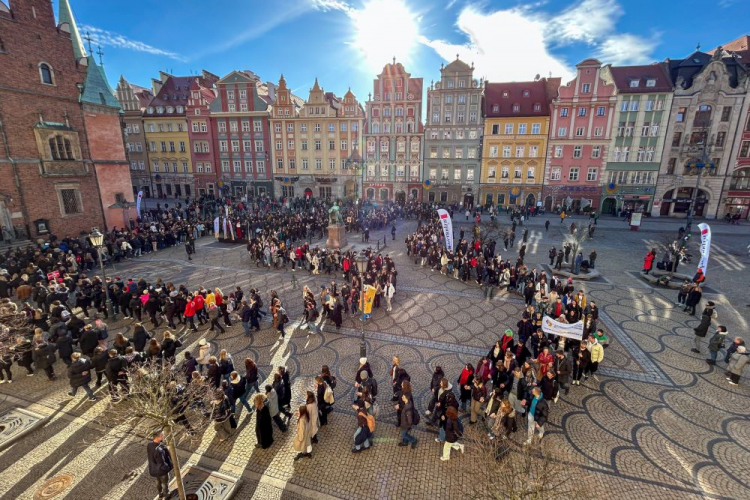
column 624, row 75
column 500, row 98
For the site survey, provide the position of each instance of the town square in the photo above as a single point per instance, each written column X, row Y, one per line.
column 475, row 278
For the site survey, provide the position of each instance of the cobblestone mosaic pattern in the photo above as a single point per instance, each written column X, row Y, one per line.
column 658, row 422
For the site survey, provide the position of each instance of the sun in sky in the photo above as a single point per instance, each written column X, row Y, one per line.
column 384, row 29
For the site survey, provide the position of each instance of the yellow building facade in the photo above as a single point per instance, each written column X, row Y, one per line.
column 514, row 145
column 312, row 141
column 167, row 140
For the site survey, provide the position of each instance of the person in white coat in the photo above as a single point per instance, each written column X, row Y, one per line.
column 204, row 353
column 390, row 290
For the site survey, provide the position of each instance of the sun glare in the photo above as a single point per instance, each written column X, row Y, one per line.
column 385, row 29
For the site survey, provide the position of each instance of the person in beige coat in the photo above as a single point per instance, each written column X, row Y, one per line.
column 302, row 442
column 204, row 353
column 312, row 411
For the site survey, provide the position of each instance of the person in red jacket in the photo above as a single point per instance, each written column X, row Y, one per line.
column 200, row 304
column 648, row 261
column 190, row 312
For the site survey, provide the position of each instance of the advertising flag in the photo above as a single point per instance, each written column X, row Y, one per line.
column 369, row 298
column 138, row 203
column 574, row 331
column 705, row 246
column 216, row 227
column 445, row 221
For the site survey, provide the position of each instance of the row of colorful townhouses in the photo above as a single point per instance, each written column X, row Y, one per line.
column 74, row 153
column 636, row 138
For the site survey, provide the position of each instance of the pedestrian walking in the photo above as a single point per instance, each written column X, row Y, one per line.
column 702, row 329
column 159, row 463
column 716, row 343
column 452, row 434
column 737, row 364
column 538, row 411
column 302, row 439
column 263, row 427
column 79, row 375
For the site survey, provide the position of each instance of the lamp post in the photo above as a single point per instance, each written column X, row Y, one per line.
column 97, row 239
column 362, row 262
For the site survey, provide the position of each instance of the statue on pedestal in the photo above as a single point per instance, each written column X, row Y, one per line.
column 334, row 216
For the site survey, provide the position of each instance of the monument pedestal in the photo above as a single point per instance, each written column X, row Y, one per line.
column 336, row 237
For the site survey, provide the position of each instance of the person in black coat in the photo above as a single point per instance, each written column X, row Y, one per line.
column 88, row 341
column 99, row 363
column 702, row 329
column 140, row 338
column 169, row 347
column 64, row 346
column 159, row 463
column 44, row 357
column 693, row 298
column 263, row 428
column 79, row 373
column 23, row 354
column 116, row 373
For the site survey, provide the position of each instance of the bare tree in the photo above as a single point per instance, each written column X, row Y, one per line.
column 12, row 324
column 519, row 472
column 153, row 398
column 576, row 240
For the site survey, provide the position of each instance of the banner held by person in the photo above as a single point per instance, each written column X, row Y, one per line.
column 369, row 298
column 445, row 221
column 705, row 246
column 574, row 331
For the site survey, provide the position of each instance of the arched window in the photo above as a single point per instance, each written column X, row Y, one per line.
column 702, row 116
column 45, row 73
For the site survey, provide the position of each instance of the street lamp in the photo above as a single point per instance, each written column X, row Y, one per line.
column 97, row 239
column 362, row 262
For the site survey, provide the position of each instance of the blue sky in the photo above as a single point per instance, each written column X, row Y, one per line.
column 345, row 43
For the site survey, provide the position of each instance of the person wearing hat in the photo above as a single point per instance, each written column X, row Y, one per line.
column 702, row 329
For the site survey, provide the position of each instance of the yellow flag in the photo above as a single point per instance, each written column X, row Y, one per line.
column 369, row 298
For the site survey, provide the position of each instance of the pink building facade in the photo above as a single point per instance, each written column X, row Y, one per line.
column 201, row 135
column 580, row 131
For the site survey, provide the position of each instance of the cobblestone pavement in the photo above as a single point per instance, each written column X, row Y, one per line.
column 658, row 423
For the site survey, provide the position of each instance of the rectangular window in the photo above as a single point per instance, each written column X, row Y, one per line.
column 457, row 174
column 495, row 129
column 280, row 164
column 492, row 172
column 520, row 151
column 70, row 201
column 536, row 128
column 292, row 163
column 195, row 127
column 726, row 112
column 317, row 145
column 573, row 173
column 745, row 149
column 624, row 106
column 233, row 126
column 459, row 152
column 671, row 165
column 222, row 126
column 318, row 164
column 562, row 132
column 470, row 174
column 508, row 128
column 246, row 146
column 517, row 173
column 258, row 148
column 649, row 105
column 522, row 128
column 237, row 164
column 493, row 151
column 555, row 174
column 586, row 88
column 305, row 165
column 600, row 111
column 261, row 166
column 598, row 131
column 581, row 111
column 506, row 151
column 533, row 151
column 530, row 172
column 577, row 151
column 279, row 145
column 676, row 139
column 290, row 144
column 344, row 145
column 277, row 127
column 591, row 174
column 225, row 165
column 235, row 146
column 563, row 112
column 332, row 164
column 579, row 131
column 720, row 138
column 558, row 151
column 596, row 151
column 681, row 114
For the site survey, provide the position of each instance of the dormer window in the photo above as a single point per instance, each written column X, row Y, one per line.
column 526, row 93
column 180, row 109
column 160, row 110
column 634, row 83
column 505, row 93
column 537, row 107
column 170, row 109
column 651, row 82
column 516, row 108
column 150, row 110
column 495, row 108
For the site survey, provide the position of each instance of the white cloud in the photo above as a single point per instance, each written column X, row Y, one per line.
column 587, row 22
column 326, row 5
column 109, row 38
column 516, row 43
column 626, row 48
column 503, row 45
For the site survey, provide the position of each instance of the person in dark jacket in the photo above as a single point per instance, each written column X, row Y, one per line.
column 563, row 369
column 549, row 385
column 263, row 428
column 44, row 357
column 452, row 434
column 406, row 404
column 437, row 376
column 23, row 354
column 140, row 337
column 538, row 411
column 213, row 375
column 702, row 329
column 159, row 463
column 116, row 372
column 693, row 299
column 88, row 341
column 238, row 385
column 99, row 363
column 169, row 347
column 64, row 346
column 79, row 373
column 188, row 366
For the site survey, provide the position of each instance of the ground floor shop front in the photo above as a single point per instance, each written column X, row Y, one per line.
column 510, row 196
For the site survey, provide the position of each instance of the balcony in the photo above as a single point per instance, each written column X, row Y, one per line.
column 53, row 168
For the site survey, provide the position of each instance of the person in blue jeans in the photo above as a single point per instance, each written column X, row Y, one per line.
column 716, row 343
column 239, row 385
